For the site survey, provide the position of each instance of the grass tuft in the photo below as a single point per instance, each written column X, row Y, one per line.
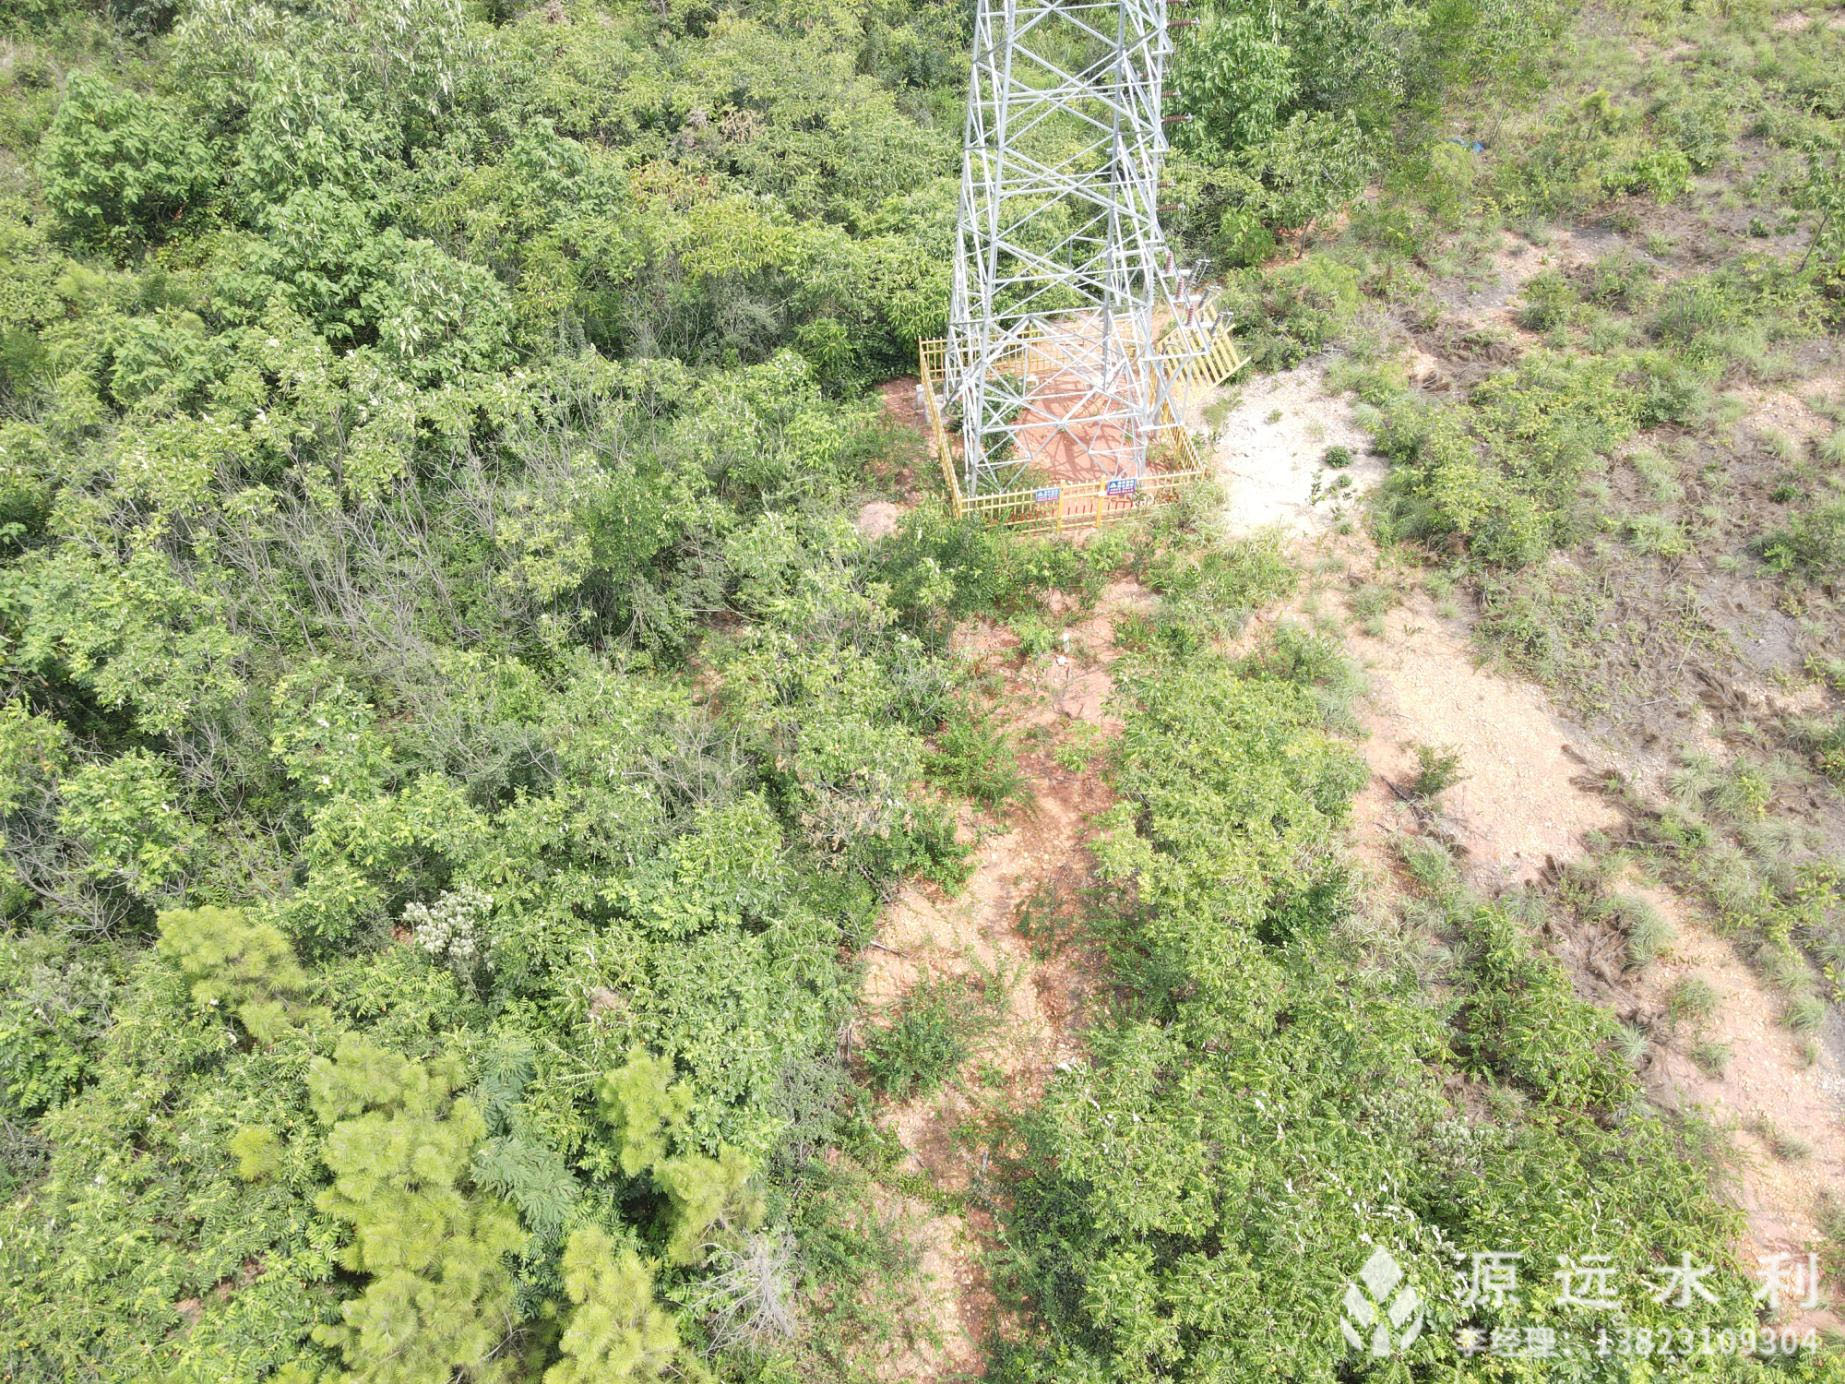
column 1644, row 929
column 1805, row 1014
column 1691, row 998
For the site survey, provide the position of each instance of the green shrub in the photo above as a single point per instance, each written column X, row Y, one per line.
column 1549, row 302
column 1619, row 280
column 1826, row 743
column 1261, row 1076
column 1503, row 471
column 258, row 1152
column 1671, row 391
column 1700, row 126
column 1662, row 173
column 923, row 1044
column 975, row 758
column 1241, row 239
column 1437, row 770
column 125, row 815
column 1448, row 179
column 1214, row 591
column 1657, row 535
column 1312, row 659
column 55, row 1009
column 119, row 168
column 237, row 966
column 1290, row 313
column 1813, row 545
column 1521, row 1020
column 649, row 1111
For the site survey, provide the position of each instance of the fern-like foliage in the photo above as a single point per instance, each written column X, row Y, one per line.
column 528, row 1172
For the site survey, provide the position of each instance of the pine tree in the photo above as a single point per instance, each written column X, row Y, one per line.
column 440, row 1300
column 617, row 1333
column 646, row 1107
column 258, row 1151
column 648, row 1110
column 706, row 1192
column 235, row 964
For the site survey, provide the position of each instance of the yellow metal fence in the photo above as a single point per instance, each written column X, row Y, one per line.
column 1068, row 506
column 1216, row 361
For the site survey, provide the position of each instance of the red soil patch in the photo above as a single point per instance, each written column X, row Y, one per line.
column 1061, row 435
column 1027, row 878
column 902, row 406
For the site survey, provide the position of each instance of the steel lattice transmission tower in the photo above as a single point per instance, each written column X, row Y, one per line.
column 1069, row 325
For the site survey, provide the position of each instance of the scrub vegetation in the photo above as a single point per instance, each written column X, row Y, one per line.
column 457, row 744
column 1600, row 353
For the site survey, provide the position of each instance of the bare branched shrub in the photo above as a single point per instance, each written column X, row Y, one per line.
column 747, row 1296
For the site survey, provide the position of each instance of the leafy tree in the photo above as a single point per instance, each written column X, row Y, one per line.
column 1237, row 79
column 125, row 815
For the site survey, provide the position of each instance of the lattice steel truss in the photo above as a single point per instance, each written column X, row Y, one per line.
column 1070, row 323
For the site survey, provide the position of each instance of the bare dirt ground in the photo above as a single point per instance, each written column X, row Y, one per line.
column 902, row 410
column 1519, row 804
column 1523, row 810
column 1000, row 929
column 1517, row 261
column 1766, row 1089
column 1270, row 448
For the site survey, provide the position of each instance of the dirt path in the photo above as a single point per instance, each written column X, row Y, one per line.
column 1526, row 803
column 999, row 929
